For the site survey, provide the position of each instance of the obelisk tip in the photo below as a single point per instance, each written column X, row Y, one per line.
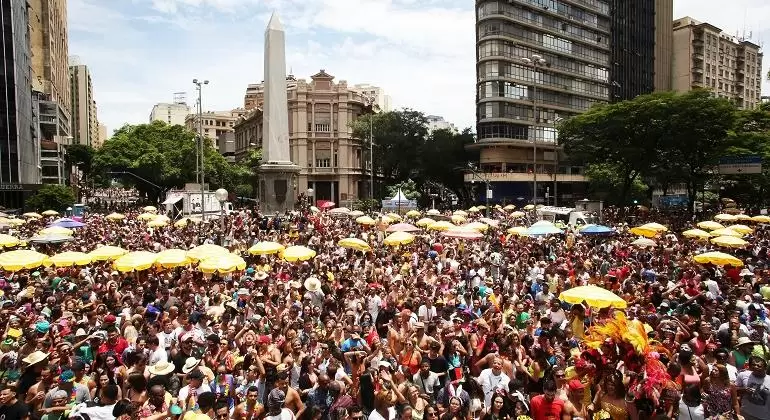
column 275, row 23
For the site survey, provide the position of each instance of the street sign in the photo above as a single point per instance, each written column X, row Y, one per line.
column 489, row 193
column 740, row 165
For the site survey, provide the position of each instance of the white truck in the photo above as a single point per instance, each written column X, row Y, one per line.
column 181, row 203
column 566, row 215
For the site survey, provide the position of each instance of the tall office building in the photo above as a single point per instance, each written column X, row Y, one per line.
column 85, row 125
column 51, row 83
column 640, row 47
column 706, row 57
column 102, row 137
column 538, row 61
column 174, row 113
column 381, row 99
column 19, row 153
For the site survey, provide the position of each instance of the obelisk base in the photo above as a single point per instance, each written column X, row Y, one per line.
column 276, row 189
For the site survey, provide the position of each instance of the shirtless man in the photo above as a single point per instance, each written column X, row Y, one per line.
column 574, row 405
column 36, row 394
column 293, row 400
column 251, row 408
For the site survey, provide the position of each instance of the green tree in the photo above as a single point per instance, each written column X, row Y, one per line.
column 443, row 153
column 82, row 156
column 606, row 183
column 51, row 197
column 750, row 136
column 408, row 188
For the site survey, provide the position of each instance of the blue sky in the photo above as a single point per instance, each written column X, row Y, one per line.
column 420, row 51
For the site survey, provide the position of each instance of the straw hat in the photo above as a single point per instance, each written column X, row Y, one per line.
column 312, row 284
column 35, row 357
column 190, row 364
column 162, row 368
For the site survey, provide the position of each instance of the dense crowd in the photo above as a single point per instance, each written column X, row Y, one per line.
column 438, row 328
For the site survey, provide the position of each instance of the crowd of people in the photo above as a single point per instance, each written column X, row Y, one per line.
column 439, row 328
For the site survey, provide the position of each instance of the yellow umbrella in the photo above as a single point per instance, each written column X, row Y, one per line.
column 394, row 216
column 481, row 207
column 481, row 227
column 440, row 226
column 647, row 233
column 518, row 230
column 56, row 230
column 509, row 207
column 365, row 220
column 50, row 213
column 386, row 220
column 108, row 252
column 135, row 261
column 413, row 213
column 657, row 227
column 729, row 242
column 643, row 242
column 115, row 216
column 21, row 259
column 398, row 238
column 157, row 223
column 726, row 232
column 457, row 219
column 298, row 253
column 517, row 214
column 724, row 217
column 425, row 221
column 742, row 217
column 718, row 258
column 146, row 216
column 460, row 213
column 15, row 222
column 529, row 207
column 225, row 263
column 7, row 241
column 696, row 233
column 172, row 258
column 266, row 248
column 432, row 212
column 202, row 252
column 354, row 243
column 185, row 220
column 32, row 215
column 70, row 258
column 473, row 209
column 741, row 229
column 761, row 219
column 596, row 297
column 710, row 225
column 490, row 222
column 150, row 209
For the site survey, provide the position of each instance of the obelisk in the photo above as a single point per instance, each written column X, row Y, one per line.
column 277, row 171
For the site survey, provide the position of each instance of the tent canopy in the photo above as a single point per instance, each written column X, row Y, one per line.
column 399, row 197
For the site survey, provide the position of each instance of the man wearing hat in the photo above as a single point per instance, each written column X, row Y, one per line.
column 34, row 364
column 188, row 395
column 75, row 393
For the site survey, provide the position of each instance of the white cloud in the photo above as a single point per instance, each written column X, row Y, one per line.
column 421, row 52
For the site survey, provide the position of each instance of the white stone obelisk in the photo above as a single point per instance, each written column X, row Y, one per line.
column 277, row 172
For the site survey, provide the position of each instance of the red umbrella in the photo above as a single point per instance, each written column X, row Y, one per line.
column 402, row 227
column 325, row 204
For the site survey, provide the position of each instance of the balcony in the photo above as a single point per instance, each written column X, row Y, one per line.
column 697, row 42
column 521, row 177
column 696, row 83
column 697, row 70
column 697, row 56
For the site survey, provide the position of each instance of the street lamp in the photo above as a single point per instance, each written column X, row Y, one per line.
column 222, row 195
column 371, row 108
column 535, row 61
column 483, row 179
column 310, row 200
column 199, row 150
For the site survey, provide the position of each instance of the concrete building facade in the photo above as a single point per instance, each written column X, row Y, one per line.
column 172, row 114
column 102, row 137
column 333, row 163
column 436, row 122
column 664, row 44
column 381, row 99
column 704, row 56
column 215, row 123
column 537, row 63
column 85, row 124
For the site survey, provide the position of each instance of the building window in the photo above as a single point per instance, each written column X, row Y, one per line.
column 322, row 163
column 323, row 127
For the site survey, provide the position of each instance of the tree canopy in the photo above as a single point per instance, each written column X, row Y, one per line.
column 51, row 197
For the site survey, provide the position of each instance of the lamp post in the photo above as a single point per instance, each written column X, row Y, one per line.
column 199, row 150
column 222, row 195
column 535, row 61
column 485, row 180
column 371, row 108
column 310, row 200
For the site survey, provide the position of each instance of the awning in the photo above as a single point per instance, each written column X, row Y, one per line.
column 173, row 199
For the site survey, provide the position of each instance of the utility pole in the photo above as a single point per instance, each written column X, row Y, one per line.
column 201, row 167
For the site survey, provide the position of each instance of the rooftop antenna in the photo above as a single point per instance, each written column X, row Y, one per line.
column 180, row 98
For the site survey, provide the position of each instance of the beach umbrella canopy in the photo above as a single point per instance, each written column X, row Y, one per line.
column 542, row 228
column 509, row 207
column 172, row 258
column 741, row 229
column 597, row 230
column 490, row 222
column 135, row 261
column 398, row 238
column 402, row 227
column 339, row 210
column 146, row 216
column 473, row 209
column 460, row 213
column 440, row 226
column 724, row 217
column 718, row 258
column 150, row 209
column 654, row 226
column 710, row 225
column 477, row 226
column 432, row 212
column 70, row 258
column 729, row 242
column 761, row 219
column 157, row 223
column 696, row 234
column 647, row 233
column 32, row 215
column 595, row 296
column 51, row 238
column 413, row 213
column 222, row 264
column 518, row 230
column 742, row 217
column 50, row 213
column 67, row 223
column 462, row 234
column 458, row 219
column 726, row 232
column 356, row 213
column 56, row 230
column 115, row 216
column 643, row 243
column 298, row 253
column 395, row 216
column 517, row 214
column 365, row 220
column 106, row 253
column 354, row 243
column 202, row 252
column 266, row 248
column 21, row 259
column 425, row 221
column 7, row 241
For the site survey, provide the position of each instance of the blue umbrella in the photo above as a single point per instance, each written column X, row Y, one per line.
column 597, row 230
column 67, row 223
